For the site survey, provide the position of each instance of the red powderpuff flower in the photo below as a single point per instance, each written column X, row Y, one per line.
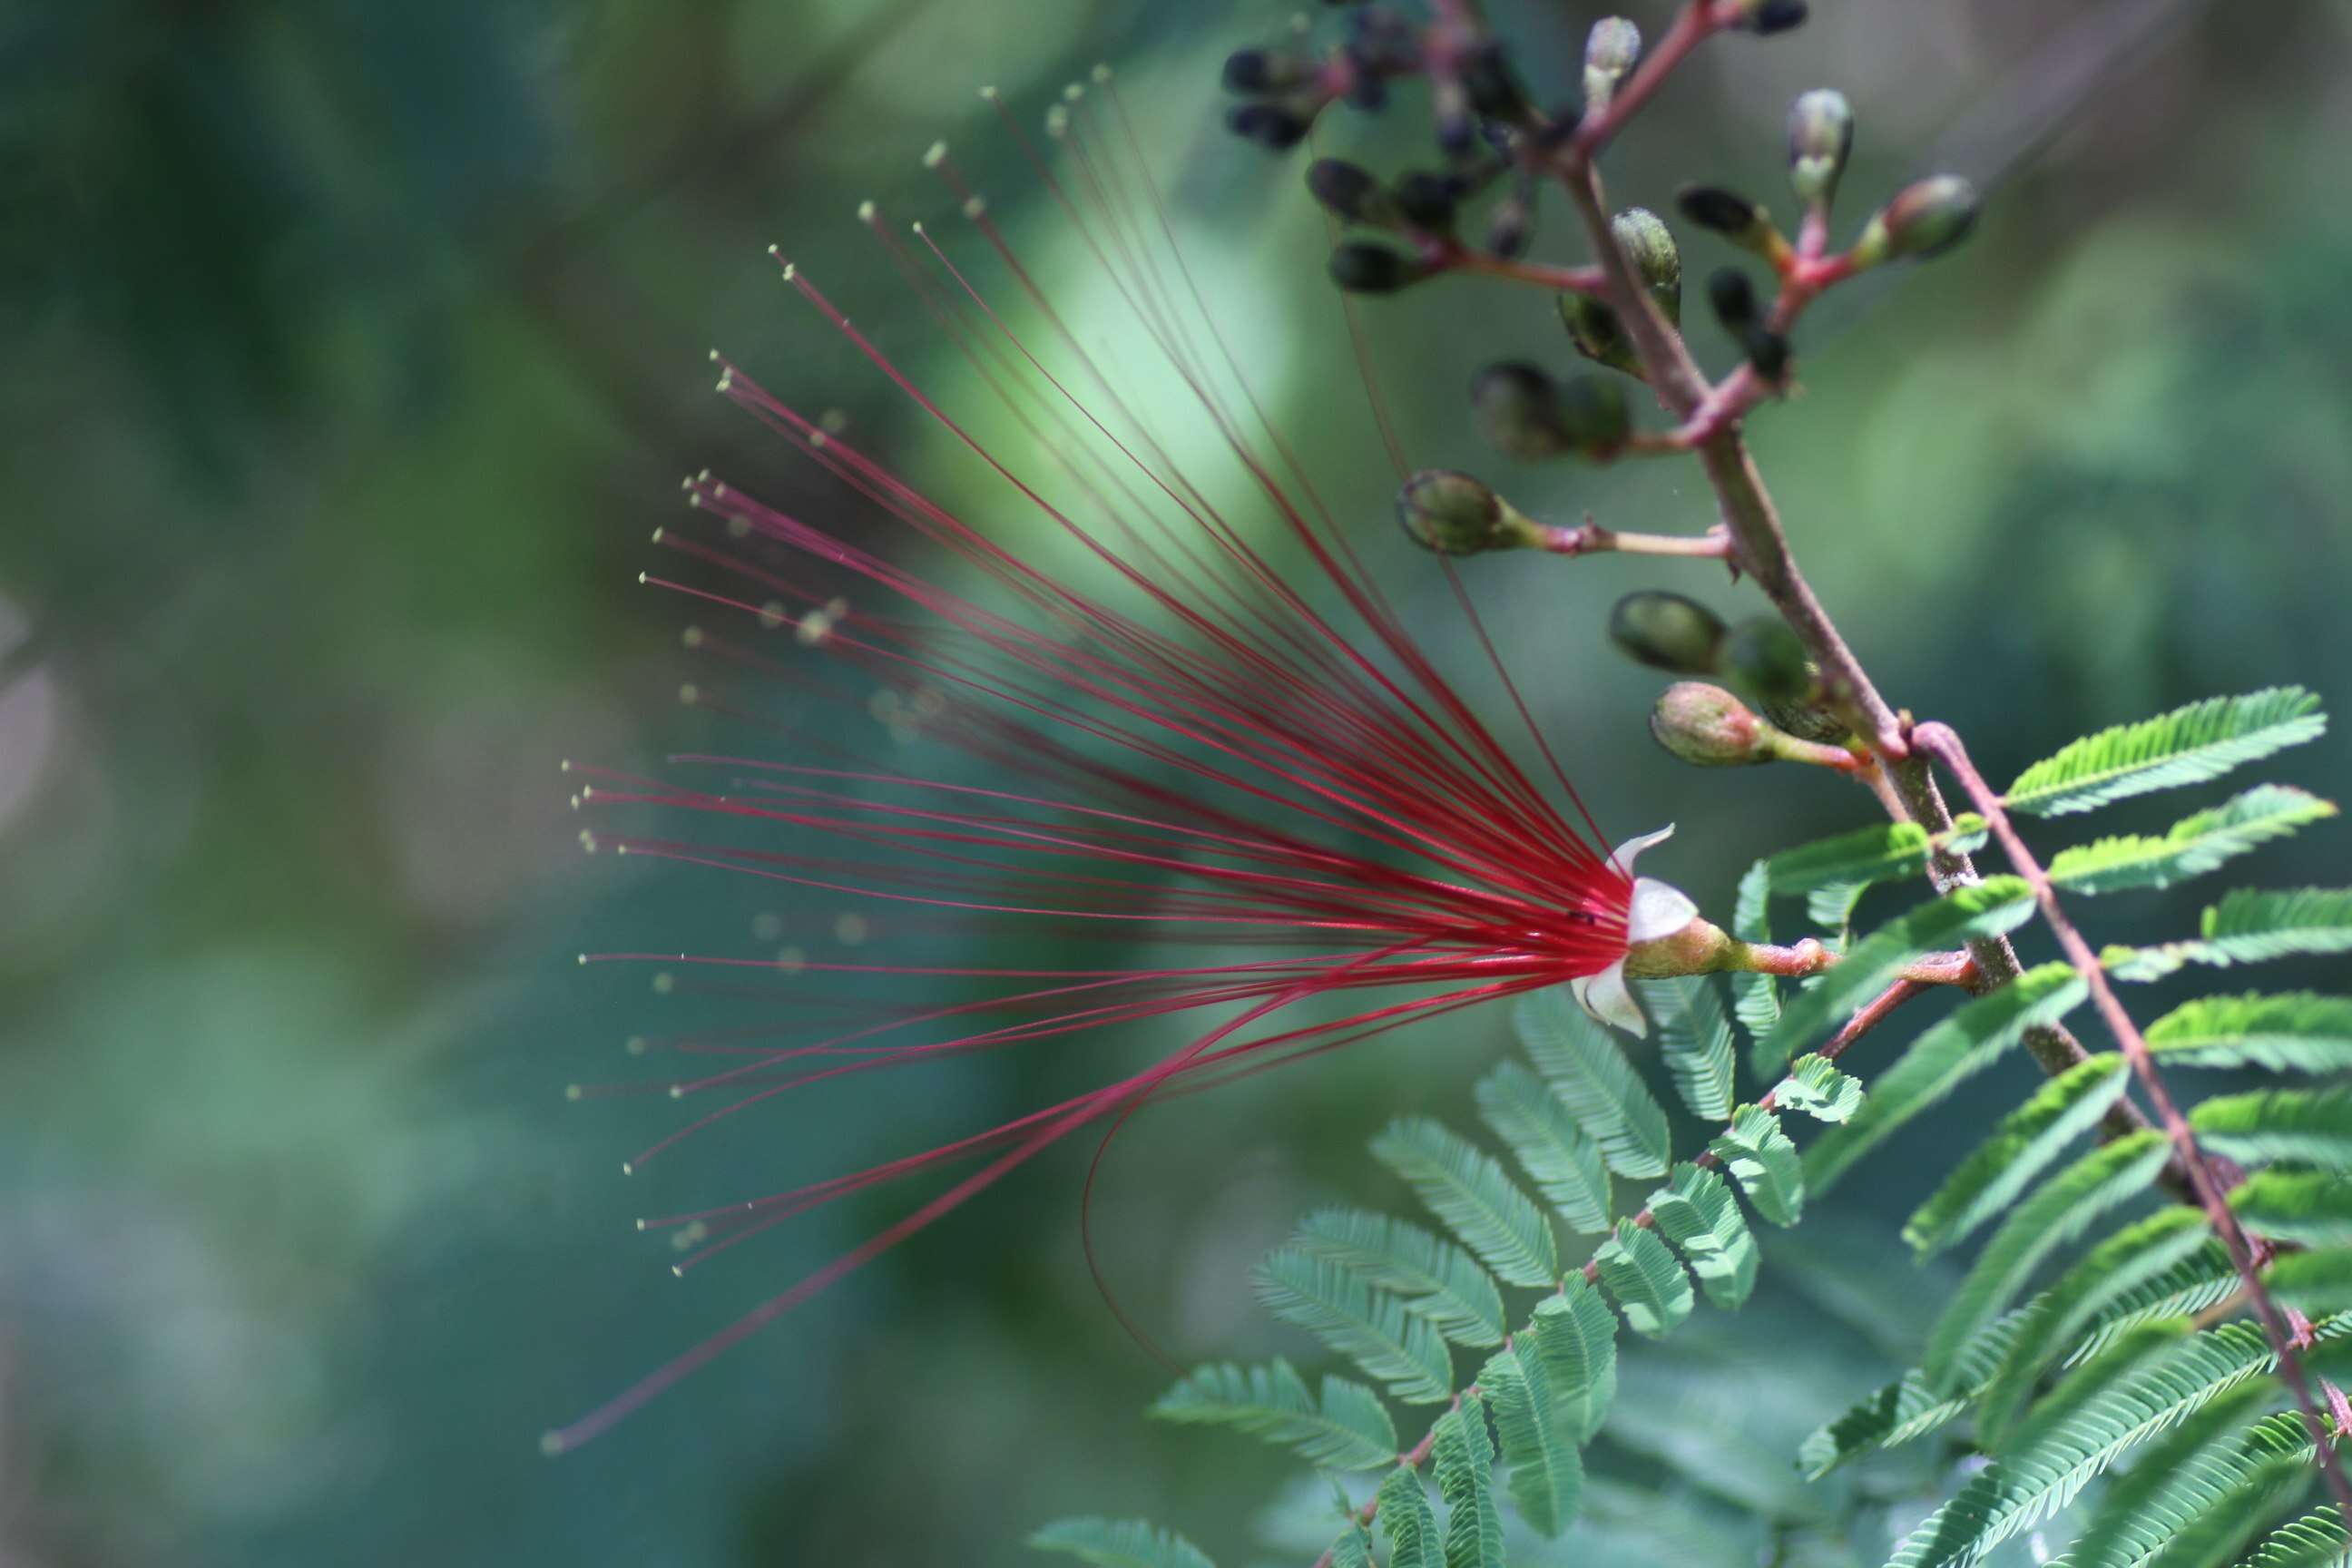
column 1225, row 740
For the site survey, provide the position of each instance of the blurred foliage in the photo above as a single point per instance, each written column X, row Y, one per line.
column 353, row 348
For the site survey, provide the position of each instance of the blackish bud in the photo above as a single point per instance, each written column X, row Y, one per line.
column 1764, row 662
column 1610, row 51
column 1667, row 631
column 1491, row 86
column 1732, row 215
column 1426, row 200
column 1767, row 352
column 1373, row 268
column 1267, row 125
column 1349, row 192
column 1770, row 16
column 1926, row 218
column 1517, row 408
column 1708, row 727
column 1454, row 514
column 1593, row 414
column 1649, row 246
column 1821, row 135
column 1734, row 299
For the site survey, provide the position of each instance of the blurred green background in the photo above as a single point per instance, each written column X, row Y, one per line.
column 354, row 348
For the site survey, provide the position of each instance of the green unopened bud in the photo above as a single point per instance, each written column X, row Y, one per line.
column 1708, row 727
column 1362, row 268
column 1821, row 135
column 1926, row 218
column 1349, row 192
column 1733, row 299
column 1732, row 215
column 1426, row 200
column 1649, row 244
column 1455, row 514
column 1593, row 414
column 1807, row 718
column 1597, row 333
column 1610, row 51
column 1517, row 408
column 1764, row 661
column 1667, row 631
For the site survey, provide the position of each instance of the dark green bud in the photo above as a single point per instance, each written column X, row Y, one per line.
column 1821, row 135
column 1649, row 246
column 1610, row 51
column 1362, row 268
column 1806, row 719
column 1732, row 215
column 1767, row 352
column 1267, row 125
column 1926, row 218
column 1770, row 16
column 1708, row 727
column 1349, row 192
column 1426, row 200
column 1597, row 333
column 1454, row 514
column 1734, row 299
column 1592, row 413
column 1491, row 86
column 1667, row 631
column 1764, row 662
column 1517, row 408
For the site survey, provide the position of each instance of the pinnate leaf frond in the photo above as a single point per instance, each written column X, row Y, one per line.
column 2186, row 746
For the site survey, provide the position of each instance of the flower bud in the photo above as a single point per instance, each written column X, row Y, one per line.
column 1362, row 268
column 1267, row 125
column 1426, row 200
column 1491, row 86
column 1926, row 218
column 1764, row 661
column 1517, row 408
column 1454, row 514
column 1708, row 727
column 1732, row 215
column 1597, row 333
column 1649, row 246
column 1667, row 631
column 1593, row 414
column 1734, row 299
column 1349, row 192
column 1821, row 135
column 1770, row 16
column 1768, row 350
column 1610, row 51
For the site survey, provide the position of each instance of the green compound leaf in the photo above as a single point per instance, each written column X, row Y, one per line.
column 1761, row 1157
column 2162, row 1265
column 2022, row 1486
column 2317, row 1540
column 1971, row 1039
column 1353, row 1548
column 1371, row 1328
column 2020, row 1149
column 1695, row 1211
column 1407, row 1522
column 1575, row 1337
column 1350, row 1430
column 1993, row 906
column 2186, row 746
column 2249, row 927
column 2060, row 1210
column 1602, row 1093
column 1649, row 1282
column 2196, row 845
column 1695, row 1040
column 2311, row 1208
column 1547, row 1473
column 1463, row 1187
column 1861, row 858
column 1755, row 998
column 1551, row 1148
column 1118, row 1543
column 2310, row 1127
column 2200, row 1464
column 1817, row 1087
column 2299, row 1031
column 1464, row 1458
column 1438, row 1280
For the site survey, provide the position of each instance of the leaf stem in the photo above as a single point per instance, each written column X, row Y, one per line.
column 1940, row 742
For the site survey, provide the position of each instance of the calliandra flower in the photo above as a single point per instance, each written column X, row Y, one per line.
column 1213, row 733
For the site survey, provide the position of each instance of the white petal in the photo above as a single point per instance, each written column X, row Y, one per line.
column 1623, row 854
column 1658, row 910
column 1605, row 996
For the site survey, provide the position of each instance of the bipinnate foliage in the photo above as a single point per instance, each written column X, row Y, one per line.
column 2093, row 1353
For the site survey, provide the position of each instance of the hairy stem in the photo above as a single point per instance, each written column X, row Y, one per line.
column 1940, row 742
